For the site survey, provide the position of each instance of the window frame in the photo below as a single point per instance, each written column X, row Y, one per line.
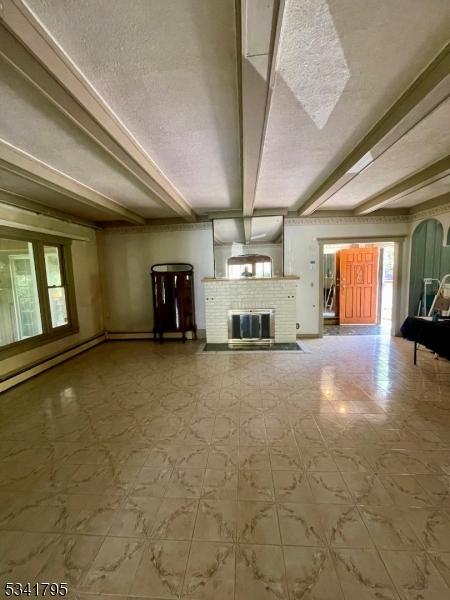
column 62, row 269
column 49, row 333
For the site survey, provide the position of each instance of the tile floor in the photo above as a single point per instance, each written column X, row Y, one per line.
column 355, row 330
column 139, row 470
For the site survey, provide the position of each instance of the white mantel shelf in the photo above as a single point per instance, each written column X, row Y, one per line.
column 276, row 293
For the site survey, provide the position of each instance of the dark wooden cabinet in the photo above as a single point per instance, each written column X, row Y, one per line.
column 173, row 299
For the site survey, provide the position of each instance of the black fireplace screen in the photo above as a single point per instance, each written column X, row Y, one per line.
column 250, row 326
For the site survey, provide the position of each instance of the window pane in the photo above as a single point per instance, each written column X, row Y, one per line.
column 56, row 292
column 52, row 266
column 58, row 307
column 20, row 317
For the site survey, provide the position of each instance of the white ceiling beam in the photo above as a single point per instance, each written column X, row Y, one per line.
column 428, row 90
column 270, row 212
column 69, row 90
column 224, row 214
column 258, row 212
column 17, row 161
column 411, row 184
column 442, row 201
column 259, row 21
column 248, row 229
column 18, row 201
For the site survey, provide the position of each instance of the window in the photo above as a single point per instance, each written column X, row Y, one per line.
column 20, row 316
column 55, row 286
column 36, row 290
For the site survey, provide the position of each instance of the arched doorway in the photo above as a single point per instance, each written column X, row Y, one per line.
column 429, row 259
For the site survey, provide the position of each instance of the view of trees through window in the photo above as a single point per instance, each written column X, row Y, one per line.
column 25, row 311
column 20, row 316
column 56, row 291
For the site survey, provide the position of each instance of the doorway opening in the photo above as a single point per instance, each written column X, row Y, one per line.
column 358, row 288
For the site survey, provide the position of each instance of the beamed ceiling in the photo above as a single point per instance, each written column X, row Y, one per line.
column 130, row 110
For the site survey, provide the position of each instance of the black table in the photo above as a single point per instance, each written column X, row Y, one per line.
column 434, row 335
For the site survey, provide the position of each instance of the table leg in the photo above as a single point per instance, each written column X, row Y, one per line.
column 415, row 353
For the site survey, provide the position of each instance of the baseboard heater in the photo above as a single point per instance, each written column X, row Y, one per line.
column 148, row 335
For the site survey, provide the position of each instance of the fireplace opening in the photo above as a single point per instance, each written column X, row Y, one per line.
column 252, row 326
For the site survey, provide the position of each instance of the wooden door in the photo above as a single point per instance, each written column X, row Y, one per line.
column 358, row 286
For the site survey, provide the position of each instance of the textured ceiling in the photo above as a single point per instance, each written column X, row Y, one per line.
column 314, row 80
column 31, row 123
column 168, row 70
column 311, row 59
column 340, row 65
column 425, row 144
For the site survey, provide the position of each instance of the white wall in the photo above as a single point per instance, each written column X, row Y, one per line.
column 86, row 278
column 127, row 255
column 301, row 257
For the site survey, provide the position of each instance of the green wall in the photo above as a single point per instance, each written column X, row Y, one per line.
column 429, row 258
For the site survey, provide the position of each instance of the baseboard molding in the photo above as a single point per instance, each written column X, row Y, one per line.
column 19, row 376
column 148, row 335
column 308, row 336
column 142, row 335
column 113, row 335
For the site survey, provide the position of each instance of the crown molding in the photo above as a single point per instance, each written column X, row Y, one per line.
column 166, row 228
column 347, row 220
column 434, row 211
column 340, row 219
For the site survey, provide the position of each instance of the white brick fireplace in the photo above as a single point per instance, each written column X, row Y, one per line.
column 223, row 295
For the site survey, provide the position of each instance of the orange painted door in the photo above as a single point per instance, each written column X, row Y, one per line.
column 358, row 286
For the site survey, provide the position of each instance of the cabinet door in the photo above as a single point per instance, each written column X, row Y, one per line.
column 173, row 299
column 188, row 301
column 170, row 303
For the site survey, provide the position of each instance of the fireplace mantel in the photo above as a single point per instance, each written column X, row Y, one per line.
column 276, row 293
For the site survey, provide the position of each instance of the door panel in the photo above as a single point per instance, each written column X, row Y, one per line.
column 358, row 286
